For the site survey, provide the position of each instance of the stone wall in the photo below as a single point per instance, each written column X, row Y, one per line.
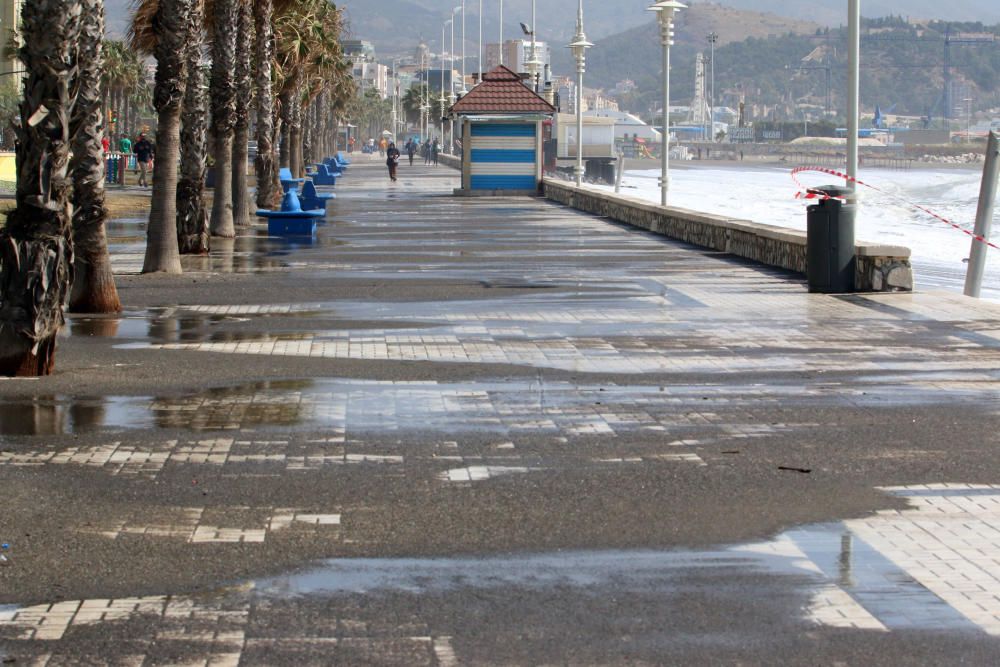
column 453, row 161
column 879, row 268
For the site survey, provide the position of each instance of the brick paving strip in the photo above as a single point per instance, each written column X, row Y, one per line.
column 523, row 435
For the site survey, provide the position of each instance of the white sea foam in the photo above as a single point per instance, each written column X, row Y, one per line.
column 767, row 195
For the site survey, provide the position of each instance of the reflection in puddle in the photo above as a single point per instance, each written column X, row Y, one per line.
column 849, row 583
column 359, row 406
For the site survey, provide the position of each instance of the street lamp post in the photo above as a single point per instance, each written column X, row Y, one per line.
column 501, row 32
column 666, row 10
column 533, row 63
column 480, row 41
column 579, row 47
column 442, row 100
column 463, row 90
column 968, row 120
column 713, row 37
column 451, row 81
column 853, row 90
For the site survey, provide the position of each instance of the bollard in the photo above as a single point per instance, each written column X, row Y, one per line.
column 619, row 172
column 830, row 260
column 984, row 217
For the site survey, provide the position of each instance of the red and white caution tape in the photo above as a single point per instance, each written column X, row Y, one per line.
column 813, row 193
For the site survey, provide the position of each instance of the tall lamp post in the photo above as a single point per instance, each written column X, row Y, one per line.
column 713, row 37
column 463, row 90
column 579, row 47
column 443, row 100
column 853, row 89
column 501, row 32
column 480, row 41
column 533, row 63
column 451, row 80
column 666, row 10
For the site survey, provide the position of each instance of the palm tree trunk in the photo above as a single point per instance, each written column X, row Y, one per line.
column 295, row 130
column 268, row 188
column 244, row 92
column 282, row 126
column 36, row 249
column 168, row 95
column 94, row 288
column 307, row 137
column 222, row 91
column 192, row 216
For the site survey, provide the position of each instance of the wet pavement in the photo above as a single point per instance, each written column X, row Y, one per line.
column 452, row 431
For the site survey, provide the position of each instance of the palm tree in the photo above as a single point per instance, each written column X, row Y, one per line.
column 192, row 216
column 309, row 59
column 36, row 249
column 167, row 26
column 244, row 92
column 222, row 92
column 268, row 186
column 94, row 288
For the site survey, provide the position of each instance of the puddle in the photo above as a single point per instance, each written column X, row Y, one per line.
column 170, row 325
column 497, row 407
column 848, row 582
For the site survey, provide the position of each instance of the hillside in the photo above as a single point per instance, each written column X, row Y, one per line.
column 835, row 13
column 902, row 66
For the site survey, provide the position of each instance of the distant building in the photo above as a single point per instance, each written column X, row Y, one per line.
column 598, row 101
column 10, row 20
column 627, row 125
column 358, row 48
column 517, row 54
column 624, row 87
column 371, row 75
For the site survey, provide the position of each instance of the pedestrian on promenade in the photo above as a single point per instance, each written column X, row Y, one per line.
column 106, row 144
column 427, row 152
column 435, row 149
column 125, row 144
column 383, row 145
column 144, row 153
column 411, row 150
column 392, row 160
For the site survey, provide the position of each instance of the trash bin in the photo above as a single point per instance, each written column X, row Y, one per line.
column 830, row 261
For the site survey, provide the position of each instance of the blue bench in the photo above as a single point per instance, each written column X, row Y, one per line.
column 287, row 182
column 291, row 219
column 310, row 199
column 324, row 176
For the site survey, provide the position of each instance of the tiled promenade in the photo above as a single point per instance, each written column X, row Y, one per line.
column 454, row 432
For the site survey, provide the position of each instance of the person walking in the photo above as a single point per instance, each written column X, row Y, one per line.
column 392, row 160
column 382, row 146
column 427, row 152
column 125, row 144
column 106, row 144
column 435, row 149
column 144, row 153
column 411, row 150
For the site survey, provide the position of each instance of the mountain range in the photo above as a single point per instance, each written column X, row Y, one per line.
column 396, row 26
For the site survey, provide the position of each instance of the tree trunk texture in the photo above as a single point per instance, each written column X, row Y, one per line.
column 222, row 92
column 169, row 24
column 36, row 248
column 192, row 215
column 295, row 129
column 282, row 125
column 268, row 187
column 241, row 137
column 94, row 288
column 307, row 137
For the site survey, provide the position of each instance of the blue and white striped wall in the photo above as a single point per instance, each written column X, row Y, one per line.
column 504, row 156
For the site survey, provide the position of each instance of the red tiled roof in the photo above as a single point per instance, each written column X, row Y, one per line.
column 502, row 91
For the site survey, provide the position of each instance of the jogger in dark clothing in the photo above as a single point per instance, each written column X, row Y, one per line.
column 392, row 160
